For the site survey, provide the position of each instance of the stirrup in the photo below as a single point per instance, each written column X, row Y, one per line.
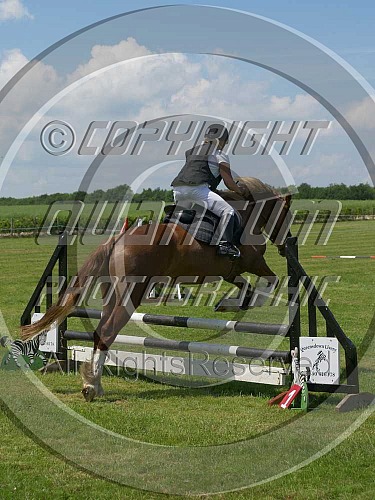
column 226, row 248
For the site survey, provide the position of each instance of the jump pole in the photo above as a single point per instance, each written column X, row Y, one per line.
column 214, row 365
column 191, row 322
column 192, row 347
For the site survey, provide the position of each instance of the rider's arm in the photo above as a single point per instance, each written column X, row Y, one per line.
column 226, row 174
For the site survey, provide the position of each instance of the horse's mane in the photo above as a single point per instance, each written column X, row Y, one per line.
column 257, row 188
column 255, row 185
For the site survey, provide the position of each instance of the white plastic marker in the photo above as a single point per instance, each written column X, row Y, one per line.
column 298, row 382
column 343, row 256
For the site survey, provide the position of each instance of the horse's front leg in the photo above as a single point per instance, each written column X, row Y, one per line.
column 262, row 292
column 241, row 301
column 248, row 296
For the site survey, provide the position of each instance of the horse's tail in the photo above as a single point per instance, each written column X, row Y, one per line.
column 96, row 263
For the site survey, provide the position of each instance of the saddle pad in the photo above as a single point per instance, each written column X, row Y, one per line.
column 201, row 229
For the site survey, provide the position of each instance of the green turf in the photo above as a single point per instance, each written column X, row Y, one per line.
column 40, row 211
column 178, row 416
column 357, row 206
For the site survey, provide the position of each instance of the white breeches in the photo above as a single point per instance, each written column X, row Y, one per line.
column 185, row 196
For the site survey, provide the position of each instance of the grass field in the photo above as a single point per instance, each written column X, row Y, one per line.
column 187, row 418
column 40, row 211
column 357, row 206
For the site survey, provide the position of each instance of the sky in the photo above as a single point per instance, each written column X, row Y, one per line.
column 143, row 67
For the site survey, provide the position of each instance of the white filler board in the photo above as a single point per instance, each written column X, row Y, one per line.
column 48, row 343
column 187, row 365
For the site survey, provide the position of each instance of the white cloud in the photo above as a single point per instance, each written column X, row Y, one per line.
column 360, row 114
column 28, row 94
column 324, row 169
column 106, row 55
column 32, row 89
column 12, row 62
column 144, row 87
column 139, row 77
column 223, row 92
column 149, row 85
column 302, row 106
column 13, row 9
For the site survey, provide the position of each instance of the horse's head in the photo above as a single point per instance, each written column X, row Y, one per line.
column 275, row 217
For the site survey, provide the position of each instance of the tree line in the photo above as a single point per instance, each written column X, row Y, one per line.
column 124, row 193
column 336, row 192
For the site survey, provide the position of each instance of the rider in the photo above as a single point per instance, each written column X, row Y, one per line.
column 206, row 165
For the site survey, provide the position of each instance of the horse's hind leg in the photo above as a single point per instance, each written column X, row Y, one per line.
column 89, row 371
column 110, row 325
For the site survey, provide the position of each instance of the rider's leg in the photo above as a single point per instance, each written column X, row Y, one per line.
column 226, row 227
column 202, row 195
column 182, row 196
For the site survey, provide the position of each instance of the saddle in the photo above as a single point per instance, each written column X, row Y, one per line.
column 198, row 222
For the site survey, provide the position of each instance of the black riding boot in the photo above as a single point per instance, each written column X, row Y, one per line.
column 225, row 232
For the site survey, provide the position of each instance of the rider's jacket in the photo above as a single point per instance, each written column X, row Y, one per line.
column 196, row 170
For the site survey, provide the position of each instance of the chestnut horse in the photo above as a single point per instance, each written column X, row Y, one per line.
column 131, row 261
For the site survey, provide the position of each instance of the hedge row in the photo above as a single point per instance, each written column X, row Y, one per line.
column 34, row 224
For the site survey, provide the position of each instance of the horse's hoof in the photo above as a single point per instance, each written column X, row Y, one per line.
column 99, row 391
column 4, row 341
column 89, row 393
column 260, row 301
column 226, row 308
